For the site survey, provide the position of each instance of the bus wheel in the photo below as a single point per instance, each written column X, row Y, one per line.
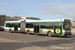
column 49, row 34
column 10, row 30
column 28, row 32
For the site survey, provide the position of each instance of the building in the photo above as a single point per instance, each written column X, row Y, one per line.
column 2, row 19
column 7, row 18
column 34, row 18
column 14, row 18
column 17, row 18
column 73, row 24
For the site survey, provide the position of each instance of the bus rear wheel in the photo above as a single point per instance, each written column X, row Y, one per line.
column 28, row 32
column 49, row 34
column 10, row 30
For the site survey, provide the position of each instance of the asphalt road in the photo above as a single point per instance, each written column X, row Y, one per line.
column 21, row 41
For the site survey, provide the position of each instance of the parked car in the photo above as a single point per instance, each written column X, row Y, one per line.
column 1, row 28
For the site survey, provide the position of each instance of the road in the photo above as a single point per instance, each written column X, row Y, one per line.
column 21, row 41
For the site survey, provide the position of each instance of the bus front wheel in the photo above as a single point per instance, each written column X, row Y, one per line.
column 49, row 34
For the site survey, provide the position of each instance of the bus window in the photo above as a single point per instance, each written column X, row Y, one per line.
column 49, row 26
column 43, row 27
column 9, row 25
column 66, row 26
column 29, row 25
column 19, row 24
column 60, row 25
column 55, row 25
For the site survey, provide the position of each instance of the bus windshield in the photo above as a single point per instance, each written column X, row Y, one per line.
column 66, row 26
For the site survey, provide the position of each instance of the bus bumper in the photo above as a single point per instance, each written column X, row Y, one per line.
column 67, row 34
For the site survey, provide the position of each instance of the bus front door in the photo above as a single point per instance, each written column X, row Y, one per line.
column 58, row 28
column 36, row 28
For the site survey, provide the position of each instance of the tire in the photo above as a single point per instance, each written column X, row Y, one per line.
column 3, row 29
column 28, row 32
column 10, row 30
column 49, row 34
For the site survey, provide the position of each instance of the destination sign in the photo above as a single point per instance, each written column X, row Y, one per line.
column 67, row 21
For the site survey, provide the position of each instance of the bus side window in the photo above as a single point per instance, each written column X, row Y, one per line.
column 60, row 25
column 55, row 25
column 29, row 25
column 50, row 26
column 26, row 25
column 9, row 25
column 19, row 24
column 43, row 27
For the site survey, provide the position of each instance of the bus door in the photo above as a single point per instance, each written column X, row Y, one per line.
column 58, row 28
column 36, row 28
column 16, row 26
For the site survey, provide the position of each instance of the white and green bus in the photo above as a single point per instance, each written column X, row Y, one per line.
column 59, row 27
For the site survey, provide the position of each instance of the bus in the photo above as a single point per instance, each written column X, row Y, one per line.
column 58, row 27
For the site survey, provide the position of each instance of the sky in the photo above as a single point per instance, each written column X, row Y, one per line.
column 43, row 9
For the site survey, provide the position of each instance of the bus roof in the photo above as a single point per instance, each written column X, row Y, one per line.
column 12, row 21
column 32, row 21
column 56, row 20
